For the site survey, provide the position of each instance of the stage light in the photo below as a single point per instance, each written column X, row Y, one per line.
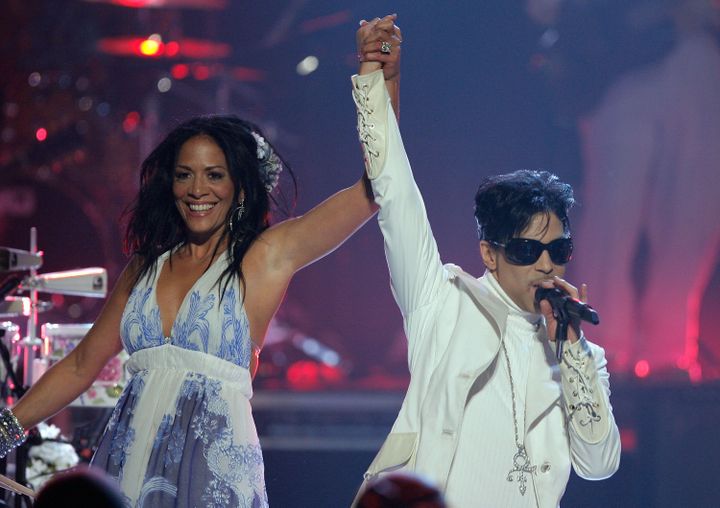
column 304, row 375
column 164, row 85
column 152, row 46
column 201, row 72
column 307, row 65
column 41, row 134
column 180, row 71
column 549, row 38
column 642, row 368
column 628, row 439
column 330, row 358
column 85, row 103
column 131, row 121
column 172, row 48
column 149, row 47
column 248, row 74
column 103, row 109
column 137, row 4
column 34, row 79
column 695, row 373
column 74, row 311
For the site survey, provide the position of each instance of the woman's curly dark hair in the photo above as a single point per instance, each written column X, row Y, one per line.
column 154, row 224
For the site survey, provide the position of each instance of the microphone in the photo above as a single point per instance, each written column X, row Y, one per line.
column 565, row 305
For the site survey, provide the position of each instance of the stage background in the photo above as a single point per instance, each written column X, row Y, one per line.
column 486, row 88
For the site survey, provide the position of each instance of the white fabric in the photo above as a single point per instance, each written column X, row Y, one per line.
column 168, row 368
column 454, row 326
column 486, row 446
column 182, row 433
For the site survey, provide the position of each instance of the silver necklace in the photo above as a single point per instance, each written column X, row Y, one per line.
column 521, row 461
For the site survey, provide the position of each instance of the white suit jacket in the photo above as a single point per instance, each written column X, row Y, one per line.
column 454, row 327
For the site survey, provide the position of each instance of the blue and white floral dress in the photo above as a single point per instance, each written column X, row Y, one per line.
column 182, row 434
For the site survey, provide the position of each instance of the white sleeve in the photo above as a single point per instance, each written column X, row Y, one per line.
column 594, row 436
column 416, row 272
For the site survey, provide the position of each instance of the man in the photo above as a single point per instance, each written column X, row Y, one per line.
column 491, row 416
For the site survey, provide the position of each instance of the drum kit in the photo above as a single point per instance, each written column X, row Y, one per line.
column 31, row 354
column 25, row 357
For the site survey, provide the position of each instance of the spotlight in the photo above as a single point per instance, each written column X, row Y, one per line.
column 164, row 84
column 152, row 46
column 307, row 65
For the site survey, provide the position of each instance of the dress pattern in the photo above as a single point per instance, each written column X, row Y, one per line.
column 182, row 433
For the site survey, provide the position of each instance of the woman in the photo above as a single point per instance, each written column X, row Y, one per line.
column 193, row 305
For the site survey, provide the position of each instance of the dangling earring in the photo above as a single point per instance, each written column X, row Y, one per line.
column 236, row 215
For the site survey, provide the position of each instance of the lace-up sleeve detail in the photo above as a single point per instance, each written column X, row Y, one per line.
column 372, row 103
column 586, row 391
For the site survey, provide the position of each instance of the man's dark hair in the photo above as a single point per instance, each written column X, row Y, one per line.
column 505, row 204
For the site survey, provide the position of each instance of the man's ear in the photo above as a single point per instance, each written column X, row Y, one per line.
column 488, row 255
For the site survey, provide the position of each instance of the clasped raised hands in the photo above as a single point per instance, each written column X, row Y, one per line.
column 378, row 46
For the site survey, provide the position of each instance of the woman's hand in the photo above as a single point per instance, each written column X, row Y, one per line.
column 378, row 46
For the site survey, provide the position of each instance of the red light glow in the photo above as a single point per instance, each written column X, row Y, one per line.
column 41, row 134
column 695, row 373
column 172, row 48
column 628, row 440
column 131, row 121
column 201, row 72
column 180, row 71
column 642, row 368
column 248, row 74
column 137, row 4
column 304, row 375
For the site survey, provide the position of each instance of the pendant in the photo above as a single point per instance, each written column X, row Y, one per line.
column 521, row 466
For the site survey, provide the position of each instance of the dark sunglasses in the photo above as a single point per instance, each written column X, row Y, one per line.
column 523, row 251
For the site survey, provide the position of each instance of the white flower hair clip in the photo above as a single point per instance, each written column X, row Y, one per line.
column 270, row 163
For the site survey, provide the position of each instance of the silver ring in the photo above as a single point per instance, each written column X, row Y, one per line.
column 385, row 47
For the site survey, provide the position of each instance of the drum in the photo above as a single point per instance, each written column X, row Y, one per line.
column 60, row 339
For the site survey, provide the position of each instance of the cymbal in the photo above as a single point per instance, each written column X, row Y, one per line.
column 166, row 4
column 12, row 260
column 132, row 46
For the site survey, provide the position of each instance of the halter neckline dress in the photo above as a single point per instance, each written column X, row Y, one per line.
column 182, row 434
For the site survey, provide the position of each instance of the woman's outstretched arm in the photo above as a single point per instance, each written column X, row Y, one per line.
column 297, row 242
column 72, row 375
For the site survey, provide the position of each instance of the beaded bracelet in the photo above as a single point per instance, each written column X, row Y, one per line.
column 12, row 433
